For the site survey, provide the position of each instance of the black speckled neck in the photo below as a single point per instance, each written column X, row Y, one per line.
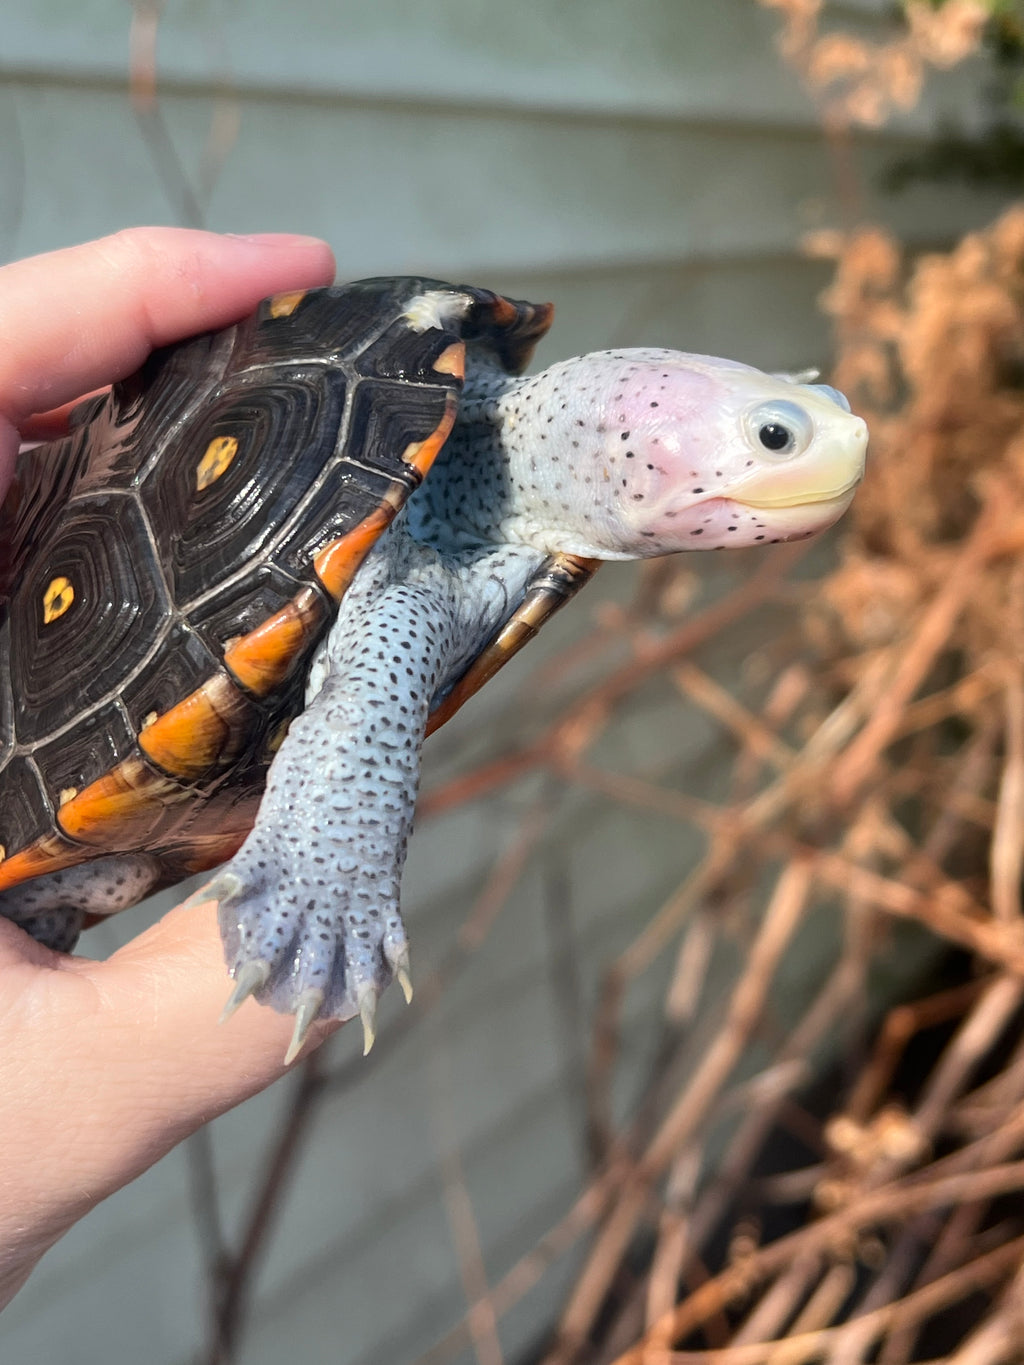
column 469, row 492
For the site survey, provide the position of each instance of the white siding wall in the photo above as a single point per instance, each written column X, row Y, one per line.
column 650, row 166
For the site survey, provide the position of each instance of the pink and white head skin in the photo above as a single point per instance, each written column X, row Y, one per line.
column 634, row 453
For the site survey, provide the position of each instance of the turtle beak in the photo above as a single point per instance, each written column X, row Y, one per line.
column 829, row 478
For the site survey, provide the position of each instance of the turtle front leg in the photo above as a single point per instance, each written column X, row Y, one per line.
column 310, row 905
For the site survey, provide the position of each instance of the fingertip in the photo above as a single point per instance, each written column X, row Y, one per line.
column 81, row 317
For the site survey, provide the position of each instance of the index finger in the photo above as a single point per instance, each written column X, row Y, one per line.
column 73, row 320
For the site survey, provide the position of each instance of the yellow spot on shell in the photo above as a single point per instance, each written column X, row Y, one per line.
column 68, row 794
column 283, row 305
column 56, row 599
column 3, row 853
column 148, row 720
column 219, row 454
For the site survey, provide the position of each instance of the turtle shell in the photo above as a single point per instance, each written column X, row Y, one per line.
column 170, row 566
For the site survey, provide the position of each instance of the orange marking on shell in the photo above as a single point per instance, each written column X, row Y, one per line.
column 543, row 317
column 262, row 660
column 203, row 731
column 421, row 454
column 284, row 305
column 121, row 808
column 337, row 563
column 51, row 853
column 452, row 360
column 503, row 313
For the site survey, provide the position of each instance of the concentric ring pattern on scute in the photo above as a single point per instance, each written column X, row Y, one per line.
column 286, row 428
column 388, row 417
column 331, row 324
column 185, row 512
column 6, row 702
column 32, row 505
column 147, row 407
column 63, row 666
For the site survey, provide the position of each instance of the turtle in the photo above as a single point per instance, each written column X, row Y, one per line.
column 232, row 602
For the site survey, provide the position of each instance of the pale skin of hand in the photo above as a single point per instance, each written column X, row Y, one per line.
column 105, row 1066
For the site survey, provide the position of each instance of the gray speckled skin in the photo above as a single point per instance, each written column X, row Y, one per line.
column 617, row 455
column 53, row 908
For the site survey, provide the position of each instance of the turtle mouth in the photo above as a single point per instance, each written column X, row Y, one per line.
column 811, row 497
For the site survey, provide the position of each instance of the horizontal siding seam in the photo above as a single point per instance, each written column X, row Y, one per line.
column 755, row 121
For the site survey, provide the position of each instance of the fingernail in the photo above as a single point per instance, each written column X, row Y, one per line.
column 276, row 238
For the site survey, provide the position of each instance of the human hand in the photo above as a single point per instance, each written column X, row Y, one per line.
column 104, row 1066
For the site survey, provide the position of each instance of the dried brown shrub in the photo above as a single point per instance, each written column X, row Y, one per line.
column 934, row 358
column 862, row 82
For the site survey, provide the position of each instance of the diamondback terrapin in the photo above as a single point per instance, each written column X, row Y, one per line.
column 239, row 538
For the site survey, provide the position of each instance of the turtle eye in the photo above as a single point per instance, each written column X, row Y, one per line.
column 780, row 430
column 774, row 436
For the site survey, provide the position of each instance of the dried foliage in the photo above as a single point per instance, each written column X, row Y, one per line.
column 892, row 777
column 905, row 797
column 862, row 82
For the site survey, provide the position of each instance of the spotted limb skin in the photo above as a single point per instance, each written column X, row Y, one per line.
column 617, row 455
column 313, row 894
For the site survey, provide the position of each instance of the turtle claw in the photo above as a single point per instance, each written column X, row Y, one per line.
column 306, row 1012
column 399, row 961
column 222, row 888
column 250, row 977
column 366, row 999
column 405, row 981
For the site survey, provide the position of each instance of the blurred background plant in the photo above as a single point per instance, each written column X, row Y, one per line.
column 716, row 899
column 861, row 81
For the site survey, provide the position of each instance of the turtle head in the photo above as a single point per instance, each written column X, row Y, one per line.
column 649, row 452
